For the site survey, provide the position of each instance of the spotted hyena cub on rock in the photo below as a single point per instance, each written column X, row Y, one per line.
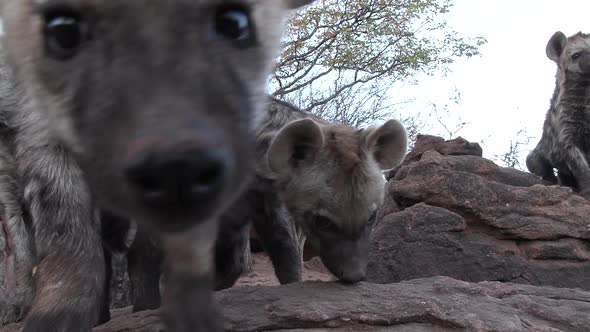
column 318, row 179
column 145, row 108
column 565, row 144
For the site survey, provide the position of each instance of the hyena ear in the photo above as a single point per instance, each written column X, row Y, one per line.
column 387, row 144
column 298, row 3
column 297, row 141
column 556, row 45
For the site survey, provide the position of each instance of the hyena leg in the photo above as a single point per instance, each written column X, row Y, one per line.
column 116, row 234
column 539, row 165
column 69, row 278
column 276, row 232
column 566, row 179
column 300, row 236
column 105, row 312
column 232, row 246
column 231, row 257
column 187, row 299
column 577, row 164
column 144, row 261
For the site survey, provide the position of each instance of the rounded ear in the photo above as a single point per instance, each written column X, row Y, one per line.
column 556, row 45
column 292, row 4
column 297, row 141
column 387, row 144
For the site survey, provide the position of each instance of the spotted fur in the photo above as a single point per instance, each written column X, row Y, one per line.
column 566, row 132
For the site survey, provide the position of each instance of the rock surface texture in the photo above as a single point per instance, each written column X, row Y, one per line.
column 434, row 304
column 464, row 217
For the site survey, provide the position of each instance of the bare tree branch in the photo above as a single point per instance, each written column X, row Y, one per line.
column 341, row 58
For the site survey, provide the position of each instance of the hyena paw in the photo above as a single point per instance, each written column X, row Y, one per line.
column 290, row 278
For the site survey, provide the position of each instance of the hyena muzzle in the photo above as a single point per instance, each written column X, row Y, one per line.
column 566, row 131
column 141, row 107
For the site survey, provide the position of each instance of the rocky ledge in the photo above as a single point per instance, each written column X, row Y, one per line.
column 430, row 304
column 450, row 212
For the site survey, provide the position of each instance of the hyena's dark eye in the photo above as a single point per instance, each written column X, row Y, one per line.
column 576, row 55
column 64, row 32
column 324, row 224
column 233, row 23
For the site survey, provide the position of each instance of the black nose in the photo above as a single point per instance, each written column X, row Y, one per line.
column 351, row 277
column 178, row 179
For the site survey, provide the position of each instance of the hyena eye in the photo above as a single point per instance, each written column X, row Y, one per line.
column 233, row 23
column 63, row 34
column 576, row 55
column 324, row 224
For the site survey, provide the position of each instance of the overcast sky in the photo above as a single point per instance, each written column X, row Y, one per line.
column 508, row 88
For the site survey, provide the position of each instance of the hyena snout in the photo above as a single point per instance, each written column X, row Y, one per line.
column 351, row 276
column 179, row 177
column 346, row 259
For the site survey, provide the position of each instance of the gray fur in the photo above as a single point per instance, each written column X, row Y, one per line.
column 64, row 231
column 151, row 79
column 566, row 131
column 16, row 245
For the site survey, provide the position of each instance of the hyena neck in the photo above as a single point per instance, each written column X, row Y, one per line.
column 572, row 95
column 277, row 115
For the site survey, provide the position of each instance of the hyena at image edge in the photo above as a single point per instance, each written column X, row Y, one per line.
column 90, row 126
column 564, row 143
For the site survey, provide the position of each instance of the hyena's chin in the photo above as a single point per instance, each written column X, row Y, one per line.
column 167, row 219
column 180, row 212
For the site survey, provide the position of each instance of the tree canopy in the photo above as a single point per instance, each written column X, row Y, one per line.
column 341, row 57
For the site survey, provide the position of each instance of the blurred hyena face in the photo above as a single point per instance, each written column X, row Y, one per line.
column 157, row 97
column 571, row 54
column 330, row 178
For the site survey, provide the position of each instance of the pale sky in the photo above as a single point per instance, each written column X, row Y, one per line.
column 510, row 85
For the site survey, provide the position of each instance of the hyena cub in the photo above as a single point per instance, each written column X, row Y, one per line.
column 321, row 178
column 144, row 108
column 565, row 143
